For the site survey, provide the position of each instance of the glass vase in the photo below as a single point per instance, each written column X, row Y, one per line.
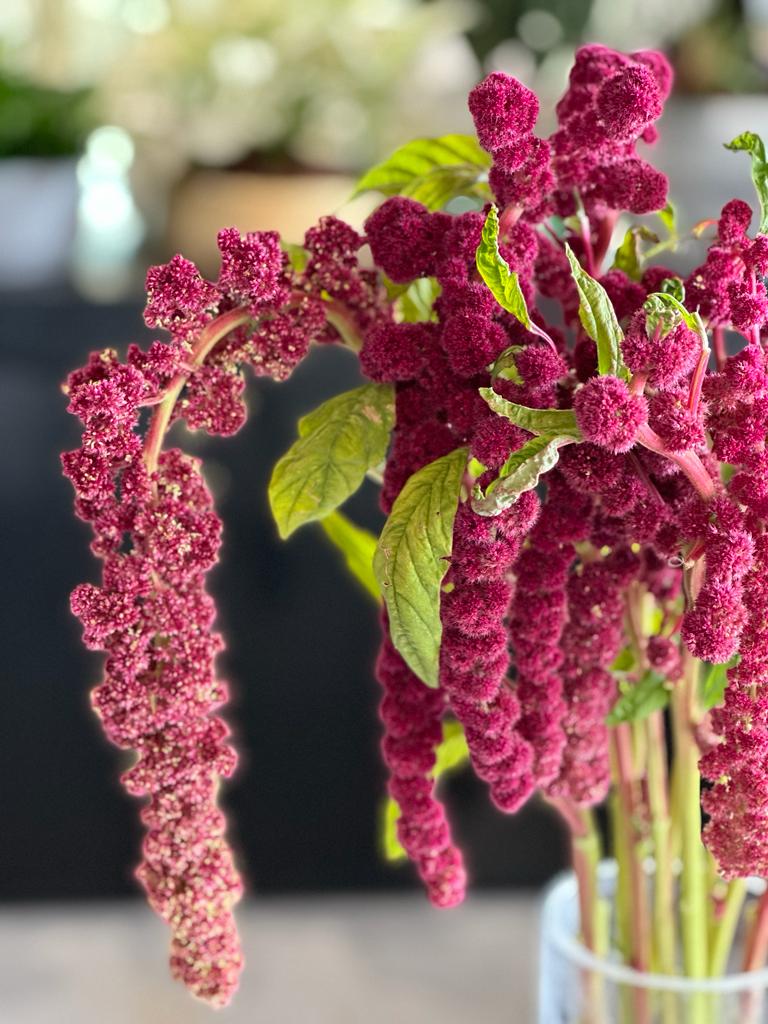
column 578, row 987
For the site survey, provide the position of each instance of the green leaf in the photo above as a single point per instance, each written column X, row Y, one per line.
column 640, row 700
column 662, row 309
column 754, row 145
column 668, row 217
column 494, row 270
column 623, row 661
column 598, row 318
column 432, row 171
column 505, row 366
column 628, row 255
column 338, row 443
column 411, row 560
column 673, row 286
column 520, row 473
column 560, row 422
column 391, row 846
column 713, row 684
column 358, row 547
column 451, row 753
column 438, row 187
column 416, row 303
column 297, row 255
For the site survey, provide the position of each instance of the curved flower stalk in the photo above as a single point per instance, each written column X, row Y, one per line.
column 158, row 535
column 576, row 505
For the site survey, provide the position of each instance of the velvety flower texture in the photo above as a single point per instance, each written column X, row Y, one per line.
column 158, row 535
column 737, row 803
column 412, row 715
column 608, row 414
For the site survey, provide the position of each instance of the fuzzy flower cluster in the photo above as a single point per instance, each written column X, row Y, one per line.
column 412, row 715
column 737, row 803
column 535, row 600
column 611, row 103
column 158, row 535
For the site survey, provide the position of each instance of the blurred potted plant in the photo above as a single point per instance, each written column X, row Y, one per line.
column 261, row 114
column 41, row 132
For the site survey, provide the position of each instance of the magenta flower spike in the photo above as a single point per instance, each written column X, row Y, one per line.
column 570, row 441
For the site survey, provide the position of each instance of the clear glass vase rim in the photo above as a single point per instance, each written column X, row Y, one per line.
column 563, row 889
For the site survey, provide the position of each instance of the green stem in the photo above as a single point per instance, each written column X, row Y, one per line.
column 693, row 880
column 655, row 744
column 693, row 895
column 639, row 930
column 594, row 912
column 664, row 881
column 725, row 929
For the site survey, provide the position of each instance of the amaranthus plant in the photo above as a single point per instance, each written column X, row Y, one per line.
column 574, row 567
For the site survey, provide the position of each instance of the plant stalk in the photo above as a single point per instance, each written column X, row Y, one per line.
column 208, row 338
column 693, row 879
column 725, row 929
column 664, row 881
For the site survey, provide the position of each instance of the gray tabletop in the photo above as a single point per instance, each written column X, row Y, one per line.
column 314, row 960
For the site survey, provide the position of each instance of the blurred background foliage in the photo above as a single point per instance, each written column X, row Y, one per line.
column 172, row 88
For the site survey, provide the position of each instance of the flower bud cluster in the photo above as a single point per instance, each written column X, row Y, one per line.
column 538, row 614
column 737, row 802
column 590, row 642
column 474, row 655
column 412, row 716
column 158, row 535
column 611, row 103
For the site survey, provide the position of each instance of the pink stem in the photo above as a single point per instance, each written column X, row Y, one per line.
column 688, row 462
column 605, row 228
column 510, row 215
column 718, row 343
column 589, row 255
column 208, row 338
column 757, row 941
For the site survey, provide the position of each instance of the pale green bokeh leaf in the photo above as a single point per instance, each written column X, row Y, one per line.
column 416, row 302
column 629, row 254
column 411, row 560
column 640, row 699
column 598, row 318
column 338, row 443
column 297, row 255
column 668, row 217
column 357, row 545
column 431, row 171
column 714, row 682
column 623, row 661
